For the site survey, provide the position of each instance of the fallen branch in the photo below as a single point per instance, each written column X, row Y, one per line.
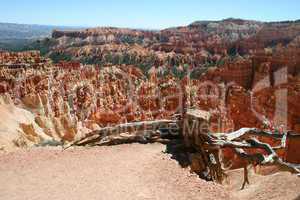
column 135, row 132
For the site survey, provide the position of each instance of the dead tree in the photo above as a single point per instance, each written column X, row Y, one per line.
column 244, row 139
column 208, row 144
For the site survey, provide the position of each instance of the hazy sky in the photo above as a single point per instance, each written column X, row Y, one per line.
column 143, row 13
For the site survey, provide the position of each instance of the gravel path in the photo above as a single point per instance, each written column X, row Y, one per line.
column 131, row 171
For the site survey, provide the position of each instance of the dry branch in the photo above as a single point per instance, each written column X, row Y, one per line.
column 122, row 133
column 258, row 158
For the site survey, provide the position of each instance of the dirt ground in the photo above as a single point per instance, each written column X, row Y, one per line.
column 277, row 186
column 132, row 171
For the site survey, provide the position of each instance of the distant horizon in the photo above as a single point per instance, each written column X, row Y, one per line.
column 99, row 26
column 143, row 14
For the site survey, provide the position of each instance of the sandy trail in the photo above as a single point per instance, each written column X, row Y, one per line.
column 132, row 171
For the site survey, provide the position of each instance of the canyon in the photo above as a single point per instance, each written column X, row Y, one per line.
column 244, row 74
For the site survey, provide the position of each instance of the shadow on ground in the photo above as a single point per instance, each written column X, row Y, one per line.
column 181, row 154
column 178, row 152
column 297, row 198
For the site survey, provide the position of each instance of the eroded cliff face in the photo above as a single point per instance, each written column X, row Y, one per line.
column 197, row 44
column 68, row 100
column 18, row 126
column 245, row 73
column 266, row 86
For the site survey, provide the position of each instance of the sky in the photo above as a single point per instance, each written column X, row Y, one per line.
column 148, row 14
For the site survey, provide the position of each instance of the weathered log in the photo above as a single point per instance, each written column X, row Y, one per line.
column 136, row 132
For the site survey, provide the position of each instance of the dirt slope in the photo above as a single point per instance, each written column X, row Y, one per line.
column 119, row 172
column 277, row 186
column 133, row 171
